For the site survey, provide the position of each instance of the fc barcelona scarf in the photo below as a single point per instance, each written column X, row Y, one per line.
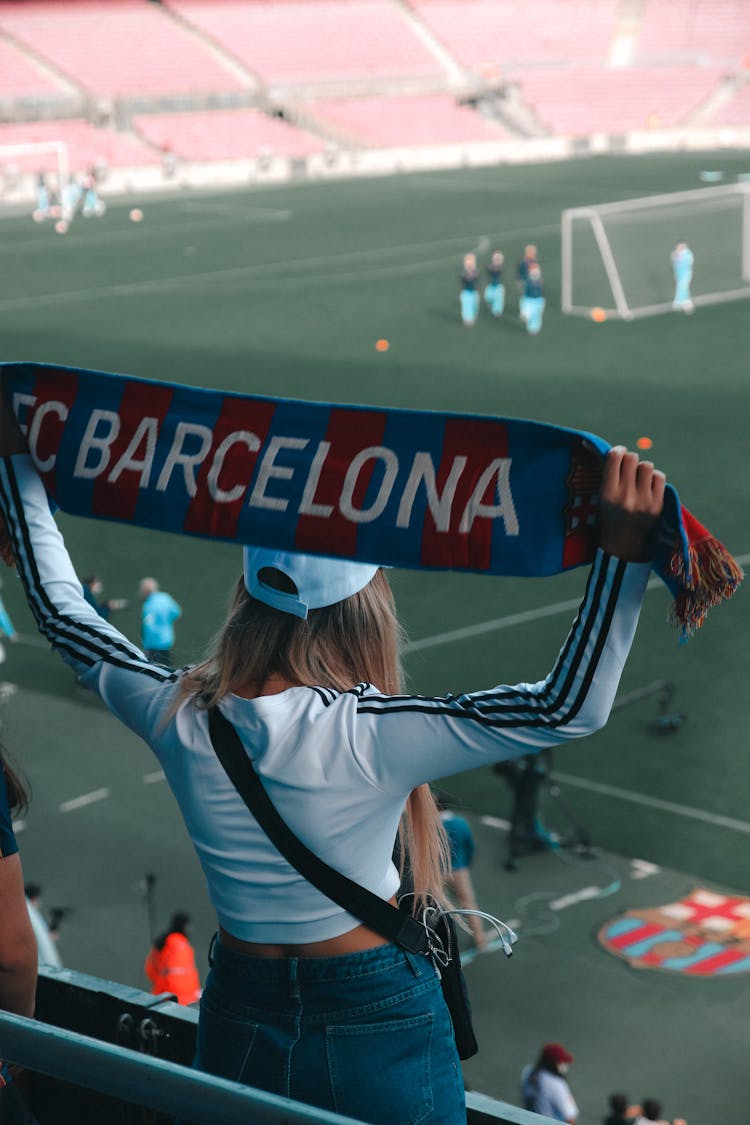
column 406, row 488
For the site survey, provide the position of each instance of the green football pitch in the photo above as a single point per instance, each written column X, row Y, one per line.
column 285, row 291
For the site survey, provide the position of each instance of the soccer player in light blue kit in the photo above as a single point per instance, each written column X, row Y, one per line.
column 682, row 267
column 532, row 302
column 469, row 291
column 494, row 293
column 6, row 628
column 159, row 613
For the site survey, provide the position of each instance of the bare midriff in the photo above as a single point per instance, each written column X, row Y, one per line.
column 354, row 941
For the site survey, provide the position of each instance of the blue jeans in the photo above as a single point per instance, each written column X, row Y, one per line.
column 366, row 1034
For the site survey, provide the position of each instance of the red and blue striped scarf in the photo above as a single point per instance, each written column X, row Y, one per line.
column 405, row 488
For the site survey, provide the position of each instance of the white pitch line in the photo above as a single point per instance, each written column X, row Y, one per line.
column 103, row 237
column 18, row 825
column 468, row 631
column 85, row 799
column 151, row 778
column 572, row 899
column 262, row 271
column 496, row 822
column 714, row 819
column 507, row 622
column 266, row 272
column 239, row 210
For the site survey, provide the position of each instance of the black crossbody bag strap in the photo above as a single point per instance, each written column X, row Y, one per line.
column 378, row 915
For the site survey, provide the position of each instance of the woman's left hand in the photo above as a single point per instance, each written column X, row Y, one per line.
column 631, row 500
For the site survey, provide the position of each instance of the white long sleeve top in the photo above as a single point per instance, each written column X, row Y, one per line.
column 338, row 766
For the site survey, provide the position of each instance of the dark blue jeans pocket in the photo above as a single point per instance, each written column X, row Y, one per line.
column 394, row 1088
column 225, row 1043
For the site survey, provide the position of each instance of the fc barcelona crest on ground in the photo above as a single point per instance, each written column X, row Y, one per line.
column 705, row 934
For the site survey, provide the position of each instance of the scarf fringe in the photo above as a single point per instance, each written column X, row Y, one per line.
column 709, row 578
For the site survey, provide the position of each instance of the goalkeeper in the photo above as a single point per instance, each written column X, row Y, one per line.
column 682, row 267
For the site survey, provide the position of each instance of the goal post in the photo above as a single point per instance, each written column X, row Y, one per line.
column 37, row 156
column 616, row 256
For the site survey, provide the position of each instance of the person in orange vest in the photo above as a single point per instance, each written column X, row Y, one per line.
column 170, row 965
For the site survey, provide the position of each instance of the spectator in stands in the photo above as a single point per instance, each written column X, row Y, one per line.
column 158, row 615
column 619, row 1113
column 343, row 762
column 461, row 842
column 682, row 267
column 650, row 1114
column 532, row 302
column 170, row 965
column 18, row 957
column 494, row 293
column 469, row 295
column 92, row 592
column 545, row 1088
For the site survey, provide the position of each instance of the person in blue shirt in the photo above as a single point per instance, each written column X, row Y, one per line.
column 682, row 259
column 494, row 293
column 42, row 198
column 461, row 844
column 6, row 625
column 532, row 302
column 469, row 292
column 159, row 613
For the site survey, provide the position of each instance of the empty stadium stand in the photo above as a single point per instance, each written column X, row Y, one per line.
column 578, row 101
column 309, row 41
column 232, row 134
column 22, row 77
column 488, row 34
column 735, row 111
column 673, row 29
column 121, row 48
column 87, row 145
column 431, row 119
column 140, row 84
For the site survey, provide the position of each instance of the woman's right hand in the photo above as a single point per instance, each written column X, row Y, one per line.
column 631, row 500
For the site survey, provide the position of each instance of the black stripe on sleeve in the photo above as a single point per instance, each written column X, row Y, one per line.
column 532, row 716
column 80, row 641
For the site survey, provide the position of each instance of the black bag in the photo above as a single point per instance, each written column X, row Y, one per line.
column 444, row 953
column 436, row 940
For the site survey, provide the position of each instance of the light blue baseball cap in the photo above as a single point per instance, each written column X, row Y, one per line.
column 319, row 581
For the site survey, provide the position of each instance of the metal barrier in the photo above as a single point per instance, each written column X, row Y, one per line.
column 154, row 1083
column 99, row 1051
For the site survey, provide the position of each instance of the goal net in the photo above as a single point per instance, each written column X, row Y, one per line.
column 616, row 256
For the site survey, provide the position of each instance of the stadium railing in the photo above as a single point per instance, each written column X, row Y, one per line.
column 99, row 1051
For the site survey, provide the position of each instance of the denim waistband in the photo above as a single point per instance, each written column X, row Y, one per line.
column 345, row 966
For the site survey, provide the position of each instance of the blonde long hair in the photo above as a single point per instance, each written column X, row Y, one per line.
column 355, row 641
